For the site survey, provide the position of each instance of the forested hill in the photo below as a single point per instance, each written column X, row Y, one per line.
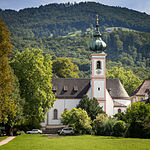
column 60, row 19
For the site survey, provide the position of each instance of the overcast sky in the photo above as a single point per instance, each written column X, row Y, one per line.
column 140, row 5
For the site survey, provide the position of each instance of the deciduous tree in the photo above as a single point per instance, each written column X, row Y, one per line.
column 34, row 72
column 78, row 119
column 64, row 68
column 129, row 80
column 7, row 105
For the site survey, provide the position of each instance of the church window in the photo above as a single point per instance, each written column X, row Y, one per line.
column 119, row 110
column 55, row 114
column 98, row 65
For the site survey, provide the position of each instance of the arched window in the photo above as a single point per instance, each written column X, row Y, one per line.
column 119, row 110
column 98, row 65
column 55, row 114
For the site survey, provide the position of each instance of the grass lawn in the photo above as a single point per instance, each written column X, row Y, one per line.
column 3, row 137
column 85, row 142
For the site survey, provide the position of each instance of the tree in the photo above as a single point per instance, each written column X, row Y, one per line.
column 7, row 105
column 64, row 68
column 99, row 124
column 34, row 72
column 119, row 128
column 78, row 119
column 137, row 115
column 19, row 118
column 91, row 106
column 129, row 80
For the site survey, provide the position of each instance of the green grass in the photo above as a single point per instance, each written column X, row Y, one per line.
column 85, row 142
column 3, row 137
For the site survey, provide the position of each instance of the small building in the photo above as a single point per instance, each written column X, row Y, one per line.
column 110, row 93
column 142, row 93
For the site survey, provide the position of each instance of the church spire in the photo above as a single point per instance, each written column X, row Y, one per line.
column 97, row 44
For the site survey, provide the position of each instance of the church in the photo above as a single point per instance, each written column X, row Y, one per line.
column 110, row 93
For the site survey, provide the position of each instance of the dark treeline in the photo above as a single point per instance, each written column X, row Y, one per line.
column 60, row 19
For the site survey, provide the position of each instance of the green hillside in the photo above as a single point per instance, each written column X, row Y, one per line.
column 131, row 49
column 60, row 19
column 65, row 30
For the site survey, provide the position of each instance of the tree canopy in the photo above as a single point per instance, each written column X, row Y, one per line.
column 7, row 104
column 91, row 106
column 129, row 80
column 78, row 119
column 64, row 68
column 34, row 72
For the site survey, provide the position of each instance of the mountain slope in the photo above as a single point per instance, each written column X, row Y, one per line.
column 60, row 19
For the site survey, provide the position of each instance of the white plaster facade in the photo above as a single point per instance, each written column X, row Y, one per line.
column 60, row 105
column 109, row 104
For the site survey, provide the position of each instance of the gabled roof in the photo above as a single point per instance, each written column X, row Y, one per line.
column 143, row 89
column 72, row 88
column 116, row 89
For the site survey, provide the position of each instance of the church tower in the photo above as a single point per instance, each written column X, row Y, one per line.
column 98, row 68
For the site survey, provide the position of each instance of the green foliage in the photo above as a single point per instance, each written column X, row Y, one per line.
column 78, row 119
column 108, row 126
column 129, row 80
column 18, row 119
column 91, row 106
column 61, row 19
column 41, row 30
column 7, row 105
column 34, row 72
column 64, row 68
column 119, row 128
column 20, row 132
column 99, row 123
column 137, row 117
column 120, row 116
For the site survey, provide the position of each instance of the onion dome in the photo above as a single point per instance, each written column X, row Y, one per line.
column 97, row 44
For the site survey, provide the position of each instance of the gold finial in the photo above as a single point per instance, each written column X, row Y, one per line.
column 97, row 18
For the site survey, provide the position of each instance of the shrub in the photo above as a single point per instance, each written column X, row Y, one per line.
column 20, row 132
column 138, row 120
column 108, row 126
column 119, row 128
column 98, row 124
column 78, row 119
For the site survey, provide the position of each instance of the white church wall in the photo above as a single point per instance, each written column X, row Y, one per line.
column 60, row 105
column 98, row 89
column 109, row 104
column 89, row 93
column 123, row 101
column 123, row 109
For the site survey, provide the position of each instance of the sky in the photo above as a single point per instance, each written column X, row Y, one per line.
column 139, row 5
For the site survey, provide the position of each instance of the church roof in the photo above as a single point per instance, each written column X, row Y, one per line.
column 70, row 88
column 73, row 88
column 143, row 89
column 116, row 89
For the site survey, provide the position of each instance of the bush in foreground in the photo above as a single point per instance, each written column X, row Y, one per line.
column 78, row 119
column 119, row 128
